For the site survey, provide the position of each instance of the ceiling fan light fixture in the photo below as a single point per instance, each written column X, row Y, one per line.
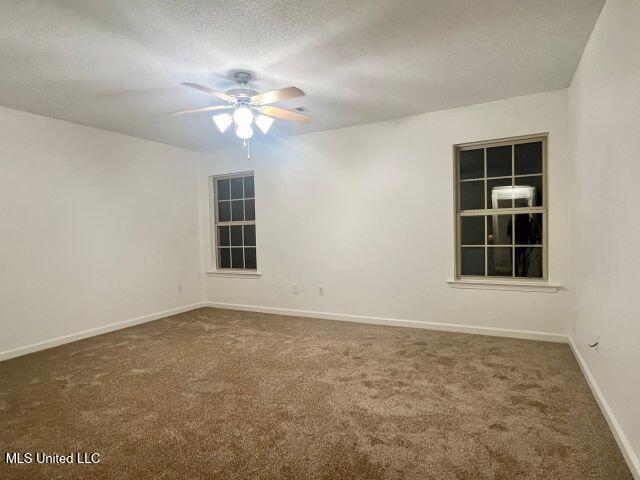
column 244, row 132
column 222, row 121
column 243, row 116
column 264, row 123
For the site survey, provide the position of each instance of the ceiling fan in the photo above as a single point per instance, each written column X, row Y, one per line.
column 245, row 107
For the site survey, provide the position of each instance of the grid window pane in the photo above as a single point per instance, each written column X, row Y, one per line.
column 237, row 210
column 528, row 158
column 236, row 235
column 472, row 230
column 499, row 161
column 237, row 258
column 223, row 236
column 236, row 188
column 250, row 258
column 224, row 258
column 529, row 191
column 250, row 235
column 529, row 229
column 249, row 210
column 529, row 262
column 472, row 260
column 472, row 164
column 248, row 187
column 224, row 192
column 497, row 195
column 472, row 195
column 499, row 262
column 224, row 211
column 500, row 230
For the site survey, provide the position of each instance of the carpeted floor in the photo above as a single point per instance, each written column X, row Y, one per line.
column 215, row 394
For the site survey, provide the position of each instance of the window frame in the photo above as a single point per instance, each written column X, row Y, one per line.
column 458, row 213
column 214, row 223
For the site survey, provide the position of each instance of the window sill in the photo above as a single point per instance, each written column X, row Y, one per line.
column 238, row 274
column 522, row 286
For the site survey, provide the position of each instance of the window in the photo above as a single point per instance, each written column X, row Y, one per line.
column 234, row 222
column 501, row 209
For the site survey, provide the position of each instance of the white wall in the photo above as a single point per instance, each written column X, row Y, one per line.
column 367, row 211
column 605, row 231
column 95, row 228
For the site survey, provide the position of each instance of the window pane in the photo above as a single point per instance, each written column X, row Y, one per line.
column 472, row 195
column 531, row 193
column 498, row 197
column 223, row 236
column 250, row 258
column 499, row 262
column 237, row 210
column 223, row 189
column 250, row 235
column 248, row 187
column 236, row 188
column 528, row 158
column 224, row 258
column 472, row 230
column 499, row 229
column 237, row 258
column 499, row 161
column 529, row 262
column 471, row 164
column 249, row 210
column 529, row 229
column 472, row 261
column 224, row 211
column 236, row 235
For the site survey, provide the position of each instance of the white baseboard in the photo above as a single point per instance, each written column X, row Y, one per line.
column 624, row 444
column 396, row 322
column 54, row 342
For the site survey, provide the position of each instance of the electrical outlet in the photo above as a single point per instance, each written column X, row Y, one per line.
column 179, row 288
column 321, row 290
column 295, row 290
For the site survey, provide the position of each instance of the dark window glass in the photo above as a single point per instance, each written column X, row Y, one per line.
column 529, row 262
column 224, row 211
column 223, row 189
column 472, row 195
column 472, row 230
column 237, row 210
column 528, row 158
column 237, row 258
column 250, row 258
column 223, row 236
column 236, row 235
column 471, row 164
column 248, row 187
column 528, row 229
column 499, row 262
column 499, row 229
column 499, row 161
column 472, row 261
column 249, row 210
column 224, row 258
column 530, row 197
column 496, row 196
column 236, row 188
column 250, row 235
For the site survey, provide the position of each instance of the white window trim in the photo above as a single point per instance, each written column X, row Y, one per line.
column 522, row 286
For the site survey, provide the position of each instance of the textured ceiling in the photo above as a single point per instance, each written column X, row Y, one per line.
column 116, row 64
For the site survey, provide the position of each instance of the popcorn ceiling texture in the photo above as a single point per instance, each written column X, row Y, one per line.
column 116, row 64
column 216, row 394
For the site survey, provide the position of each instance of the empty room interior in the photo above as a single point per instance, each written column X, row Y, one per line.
column 338, row 239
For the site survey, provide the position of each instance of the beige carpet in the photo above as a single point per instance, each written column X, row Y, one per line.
column 215, row 394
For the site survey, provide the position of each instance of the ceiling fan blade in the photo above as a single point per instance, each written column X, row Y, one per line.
column 277, row 95
column 203, row 109
column 285, row 114
column 211, row 92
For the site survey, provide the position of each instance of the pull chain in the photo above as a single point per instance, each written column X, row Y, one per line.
column 246, row 144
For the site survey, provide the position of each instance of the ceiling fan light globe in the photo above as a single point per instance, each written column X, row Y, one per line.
column 222, row 121
column 244, row 132
column 243, row 116
column 264, row 123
